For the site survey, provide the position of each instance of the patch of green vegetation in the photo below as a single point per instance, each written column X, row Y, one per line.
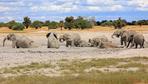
column 32, row 66
column 87, row 78
column 132, row 64
column 79, row 65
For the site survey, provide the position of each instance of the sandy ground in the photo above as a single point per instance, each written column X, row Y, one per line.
column 10, row 57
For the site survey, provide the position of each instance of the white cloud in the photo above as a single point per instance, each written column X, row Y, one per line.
column 139, row 4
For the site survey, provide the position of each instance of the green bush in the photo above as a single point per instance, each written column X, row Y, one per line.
column 107, row 23
column 2, row 24
column 53, row 25
column 37, row 24
column 10, row 24
column 18, row 26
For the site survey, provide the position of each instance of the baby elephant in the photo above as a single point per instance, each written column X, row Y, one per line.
column 19, row 41
column 96, row 40
column 84, row 43
column 52, row 40
column 71, row 39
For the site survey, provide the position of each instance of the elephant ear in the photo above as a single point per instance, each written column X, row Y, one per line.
column 48, row 35
column 55, row 35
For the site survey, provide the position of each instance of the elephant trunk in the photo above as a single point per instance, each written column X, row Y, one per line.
column 4, row 41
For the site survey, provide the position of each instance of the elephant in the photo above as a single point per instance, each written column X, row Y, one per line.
column 108, row 44
column 96, row 40
column 19, row 41
column 137, row 39
column 84, row 43
column 71, row 39
column 124, row 36
column 53, row 41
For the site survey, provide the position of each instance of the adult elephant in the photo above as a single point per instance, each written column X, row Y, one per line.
column 137, row 39
column 124, row 36
column 71, row 39
column 19, row 41
column 53, row 41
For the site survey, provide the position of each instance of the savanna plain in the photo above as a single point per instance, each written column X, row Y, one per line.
column 73, row 65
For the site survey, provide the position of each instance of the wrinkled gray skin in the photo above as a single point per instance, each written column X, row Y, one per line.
column 83, row 43
column 53, row 41
column 96, row 40
column 108, row 44
column 137, row 40
column 71, row 39
column 125, row 36
column 19, row 41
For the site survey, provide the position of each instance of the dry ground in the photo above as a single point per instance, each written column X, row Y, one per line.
column 19, row 58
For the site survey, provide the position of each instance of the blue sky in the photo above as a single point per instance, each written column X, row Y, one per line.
column 59, row 9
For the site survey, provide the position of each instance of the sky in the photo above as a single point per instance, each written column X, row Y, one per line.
column 56, row 10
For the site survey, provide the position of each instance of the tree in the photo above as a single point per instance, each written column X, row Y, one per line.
column 52, row 25
column 61, row 24
column 81, row 23
column 37, row 24
column 107, row 23
column 10, row 24
column 46, row 23
column 2, row 24
column 69, row 22
column 18, row 26
column 118, row 24
column 27, row 22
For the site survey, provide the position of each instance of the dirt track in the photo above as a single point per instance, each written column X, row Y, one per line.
column 11, row 57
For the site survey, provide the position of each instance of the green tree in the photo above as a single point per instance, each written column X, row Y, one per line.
column 61, row 24
column 120, row 23
column 18, row 26
column 2, row 24
column 107, row 23
column 81, row 23
column 37, row 24
column 69, row 22
column 53, row 25
column 27, row 22
column 10, row 24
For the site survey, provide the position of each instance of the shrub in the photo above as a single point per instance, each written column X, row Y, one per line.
column 52, row 25
column 37, row 24
column 2, row 24
column 18, row 26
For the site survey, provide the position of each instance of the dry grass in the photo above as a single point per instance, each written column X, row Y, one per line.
column 94, row 29
column 78, row 67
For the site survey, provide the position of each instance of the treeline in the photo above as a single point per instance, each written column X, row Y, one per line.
column 68, row 23
column 112, row 22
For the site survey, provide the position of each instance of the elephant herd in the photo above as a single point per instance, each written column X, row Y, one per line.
column 128, row 38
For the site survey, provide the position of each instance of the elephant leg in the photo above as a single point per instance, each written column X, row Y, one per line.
column 128, row 44
column 13, row 44
column 121, row 42
column 136, row 46
column 67, row 44
column 125, row 43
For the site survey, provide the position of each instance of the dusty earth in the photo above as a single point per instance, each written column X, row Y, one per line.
column 10, row 57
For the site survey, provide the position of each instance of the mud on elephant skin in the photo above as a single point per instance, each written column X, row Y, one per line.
column 53, row 41
column 19, row 41
column 137, row 40
column 124, row 36
column 96, row 40
column 71, row 39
